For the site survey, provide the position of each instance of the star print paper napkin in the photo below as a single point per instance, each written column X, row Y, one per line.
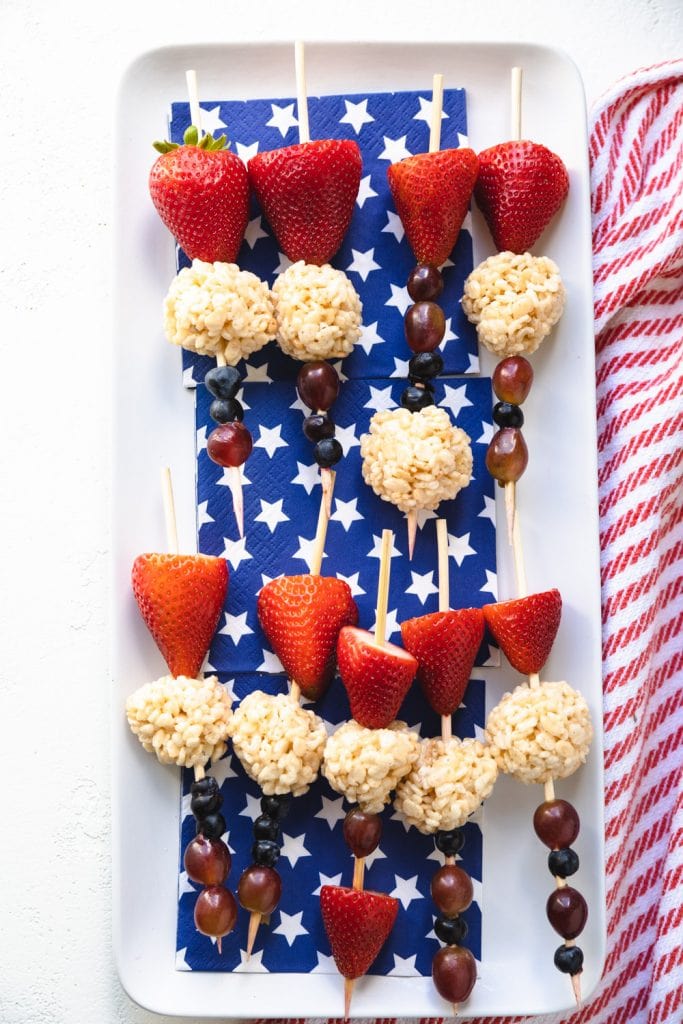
column 375, row 253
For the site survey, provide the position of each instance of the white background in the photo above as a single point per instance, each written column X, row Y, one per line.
column 59, row 70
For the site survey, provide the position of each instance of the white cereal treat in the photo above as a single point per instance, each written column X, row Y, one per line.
column 515, row 301
column 217, row 309
column 448, row 782
column 415, row 460
column 183, row 721
column 366, row 765
column 540, row 733
column 279, row 743
column 318, row 312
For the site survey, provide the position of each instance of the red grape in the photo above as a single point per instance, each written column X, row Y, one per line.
column 362, row 832
column 567, row 912
column 229, row 444
column 259, row 889
column 318, row 385
column 512, row 379
column 454, row 971
column 425, row 326
column 425, row 282
column 452, row 890
column 507, row 455
column 556, row 823
column 215, row 911
column 207, row 861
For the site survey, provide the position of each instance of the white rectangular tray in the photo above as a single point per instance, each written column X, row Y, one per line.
column 153, row 426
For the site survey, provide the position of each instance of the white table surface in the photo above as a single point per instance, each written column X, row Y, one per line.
column 59, row 70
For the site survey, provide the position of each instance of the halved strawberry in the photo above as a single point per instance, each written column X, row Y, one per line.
column 376, row 675
column 445, row 645
column 308, row 193
column 301, row 617
column 181, row 598
column 201, row 193
column 431, row 192
column 358, row 923
column 520, row 187
column 526, row 628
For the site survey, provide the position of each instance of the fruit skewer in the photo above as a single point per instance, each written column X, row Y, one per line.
column 182, row 718
column 445, row 644
column 380, row 750
column 431, row 192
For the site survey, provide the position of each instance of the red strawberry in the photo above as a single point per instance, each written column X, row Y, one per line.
column 445, row 645
column 526, row 628
column 181, row 598
column 431, row 192
column 520, row 188
column 376, row 676
column 201, row 192
column 307, row 193
column 357, row 922
column 301, row 617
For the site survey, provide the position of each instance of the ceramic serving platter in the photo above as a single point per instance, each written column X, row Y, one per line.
column 154, row 426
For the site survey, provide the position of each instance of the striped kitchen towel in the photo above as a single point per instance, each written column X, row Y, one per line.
column 636, row 152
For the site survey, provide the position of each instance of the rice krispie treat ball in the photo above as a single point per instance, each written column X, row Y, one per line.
column 183, row 721
column 448, row 782
column 542, row 733
column 279, row 743
column 415, row 460
column 318, row 312
column 366, row 765
column 216, row 308
column 515, row 301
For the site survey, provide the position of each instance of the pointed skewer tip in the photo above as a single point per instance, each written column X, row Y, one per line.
column 235, row 485
column 348, row 992
column 412, row 533
column 254, row 922
column 576, row 985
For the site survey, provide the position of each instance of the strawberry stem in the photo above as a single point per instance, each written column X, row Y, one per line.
column 191, row 138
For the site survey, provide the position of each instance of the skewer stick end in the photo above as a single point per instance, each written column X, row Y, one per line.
column 510, row 509
column 455, row 1008
column 412, row 532
column 254, row 922
column 327, row 481
column 199, row 772
column 348, row 992
column 576, row 986
column 235, row 485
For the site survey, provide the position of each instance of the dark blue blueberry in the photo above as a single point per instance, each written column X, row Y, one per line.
column 211, row 825
column 505, row 414
column 563, row 863
column 415, row 398
column 569, row 959
column 266, row 827
column 223, row 381
column 424, row 366
column 276, row 806
column 265, row 852
column 450, row 842
column 328, row 452
column 226, row 410
column 318, row 427
column 451, row 930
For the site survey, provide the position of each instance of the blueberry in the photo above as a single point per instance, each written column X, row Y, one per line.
column 212, row 825
column 206, row 785
column 276, row 806
column 265, row 852
column 451, row 930
column 223, row 381
column 563, row 863
column 327, row 452
column 569, row 959
column 202, row 804
column 505, row 414
column 318, row 427
column 415, row 398
column 424, row 366
column 450, row 842
column 226, row 410
column 266, row 827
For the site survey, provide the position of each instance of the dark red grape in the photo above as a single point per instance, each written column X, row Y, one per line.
column 425, row 326
column 425, row 282
column 318, row 385
column 362, row 832
column 567, row 912
column 454, row 971
column 507, row 455
column 215, row 911
column 207, row 861
column 452, row 889
column 230, row 444
column 259, row 889
column 556, row 823
column 512, row 379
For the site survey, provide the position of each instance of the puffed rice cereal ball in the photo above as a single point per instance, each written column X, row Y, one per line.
column 183, row 721
column 214, row 308
column 448, row 782
column 366, row 765
column 318, row 312
column 515, row 301
column 279, row 743
column 415, row 460
column 540, row 733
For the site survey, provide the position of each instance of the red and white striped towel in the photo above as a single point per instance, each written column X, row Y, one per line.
column 636, row 151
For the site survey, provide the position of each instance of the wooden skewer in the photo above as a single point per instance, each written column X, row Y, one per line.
column 195, row 109
column 301, row 100
column 321, row 530
column 169, row 511
column 383, row 587
column 510, row 508
column 437, row 108
column 254, row 922
column 444, row 600
column 348, row 992
column 412, row 532
column 234, row 477
column 516, row 111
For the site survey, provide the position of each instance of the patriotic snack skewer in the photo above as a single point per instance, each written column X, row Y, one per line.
column 183, row 719
column 445, row 644
column 364, row 761
column 541, row 731
column 413, row 456
column 212, row 308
